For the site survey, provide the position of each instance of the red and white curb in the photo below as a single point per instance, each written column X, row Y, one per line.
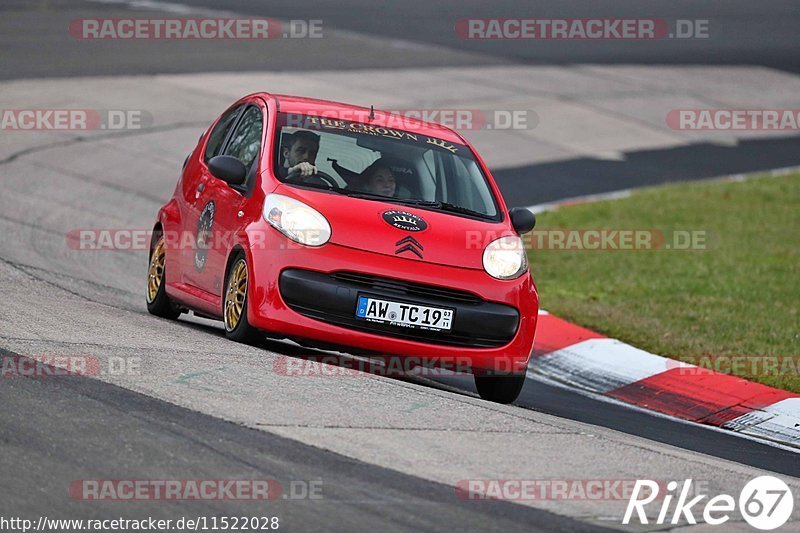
column 583, row 359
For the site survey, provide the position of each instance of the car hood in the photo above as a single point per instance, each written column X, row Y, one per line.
column 406, row 232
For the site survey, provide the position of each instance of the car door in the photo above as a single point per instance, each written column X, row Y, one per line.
column 192, row 204
column 222, row 205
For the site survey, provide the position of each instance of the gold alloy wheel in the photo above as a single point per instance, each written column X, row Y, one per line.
column 234, row 298
column 155, row 274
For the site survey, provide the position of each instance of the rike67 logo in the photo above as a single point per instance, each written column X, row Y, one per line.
column 765, row 503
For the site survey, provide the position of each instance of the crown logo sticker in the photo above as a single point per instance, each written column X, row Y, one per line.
column 404, row 220
column 441, row 144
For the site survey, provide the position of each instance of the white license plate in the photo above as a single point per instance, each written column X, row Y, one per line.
column 404, row 314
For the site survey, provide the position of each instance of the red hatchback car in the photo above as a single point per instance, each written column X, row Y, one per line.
column 340, row 226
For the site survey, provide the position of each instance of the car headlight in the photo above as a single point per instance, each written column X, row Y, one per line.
column 296, row 220
column 505, row 258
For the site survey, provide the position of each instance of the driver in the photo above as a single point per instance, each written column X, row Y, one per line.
column 299, row 154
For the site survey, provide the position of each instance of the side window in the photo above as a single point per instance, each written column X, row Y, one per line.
column 245, row 142
column 220, row 131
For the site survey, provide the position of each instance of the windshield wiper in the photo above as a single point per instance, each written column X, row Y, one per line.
column 404, row 201
column 420, row 203
column 364, row 195
column 432, row 204
column 453, row 208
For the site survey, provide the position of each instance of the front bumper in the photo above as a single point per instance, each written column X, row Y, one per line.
column 493, row 327
column 333, row 298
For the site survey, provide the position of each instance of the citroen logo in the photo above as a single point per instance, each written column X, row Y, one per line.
column 409, row 244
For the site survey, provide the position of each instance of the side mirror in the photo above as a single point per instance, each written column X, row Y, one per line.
column 522, row 220
column 228, row 169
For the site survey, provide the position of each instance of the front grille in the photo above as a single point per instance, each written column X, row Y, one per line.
column 406, row 288
column 333, row 298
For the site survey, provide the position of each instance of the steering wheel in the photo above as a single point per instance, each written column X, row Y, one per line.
column 320, row 178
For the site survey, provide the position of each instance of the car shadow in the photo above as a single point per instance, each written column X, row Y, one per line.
column 311, row 358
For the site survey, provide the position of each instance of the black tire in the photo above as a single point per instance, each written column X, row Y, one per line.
column 500, row 389
column 242, row 331
column 160, row 304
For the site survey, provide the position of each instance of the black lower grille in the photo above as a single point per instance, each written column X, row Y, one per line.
column 406, row 288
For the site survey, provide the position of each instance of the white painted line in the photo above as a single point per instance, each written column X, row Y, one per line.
column 168, row 7
column 779, row 422
column 602, row 365
column 788, row 407
column 552, row 206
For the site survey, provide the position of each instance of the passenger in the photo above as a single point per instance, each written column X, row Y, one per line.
column 378, row 178
column 300, row 154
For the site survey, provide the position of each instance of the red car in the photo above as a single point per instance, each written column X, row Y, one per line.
column 340, row 226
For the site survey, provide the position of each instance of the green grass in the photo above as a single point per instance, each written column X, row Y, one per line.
column 738, row 297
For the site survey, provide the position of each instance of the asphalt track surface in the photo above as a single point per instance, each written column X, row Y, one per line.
column 740, row 33
column 45, row 446
column 362, row 34
column 55, row 430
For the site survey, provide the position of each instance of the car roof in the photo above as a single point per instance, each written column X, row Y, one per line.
column 326, row 108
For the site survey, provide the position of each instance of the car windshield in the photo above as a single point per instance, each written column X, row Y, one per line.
column 382, row 163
